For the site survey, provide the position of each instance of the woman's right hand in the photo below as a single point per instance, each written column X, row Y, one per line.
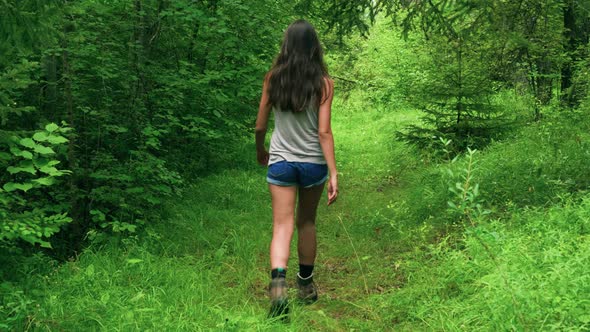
column 332, row 189
column 262, row 156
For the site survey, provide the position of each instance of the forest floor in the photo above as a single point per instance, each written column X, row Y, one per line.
column 207, row 266
column 358, row 258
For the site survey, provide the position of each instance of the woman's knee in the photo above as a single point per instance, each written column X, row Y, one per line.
column 305, row 222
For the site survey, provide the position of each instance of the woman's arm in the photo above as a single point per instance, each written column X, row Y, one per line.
column 261, row 125
column 327, row 140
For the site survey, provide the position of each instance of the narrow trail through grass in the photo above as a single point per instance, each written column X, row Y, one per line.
column 228, row 218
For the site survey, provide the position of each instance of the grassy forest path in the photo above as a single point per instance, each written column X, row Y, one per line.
column 384, row 261
column 206, row 267
column 227, row 217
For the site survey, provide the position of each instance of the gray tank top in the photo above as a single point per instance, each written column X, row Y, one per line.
column 295, row 137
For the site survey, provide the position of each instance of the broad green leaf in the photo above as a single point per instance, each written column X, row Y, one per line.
column 27, row 155
column 128, row 227
column 11, row 186
column 16, row 151
column 50, row 170
column 40, row 136
column 116, row 129
column 44, row 162
column 29, row 169
column 46, row 181
column 26, row 164
column 41, row 162
column 45, row 244
column 51, row 127
column 43, row 149
column 57, row 139
column 5, row 156
column 27, row 142
column 98, row 215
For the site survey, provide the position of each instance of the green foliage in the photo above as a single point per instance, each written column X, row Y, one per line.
column 581, row 85
column 25, row 25
column 383, row 65
column 189, row 84
column 471, row 50
column 32, row 173
column 524, row 272
column 341, row 17
column 156, row 91
column 542, row 162
column 160, row 93
column 466, row 204
column 12, row 81
column 204, row 268
column 454, row 89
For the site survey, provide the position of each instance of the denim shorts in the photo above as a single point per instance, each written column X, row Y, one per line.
column 287, row 173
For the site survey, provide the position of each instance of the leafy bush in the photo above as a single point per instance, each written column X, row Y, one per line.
column 31, row 165
column 155, row 91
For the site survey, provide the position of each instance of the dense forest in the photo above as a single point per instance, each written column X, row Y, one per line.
column 130, row 198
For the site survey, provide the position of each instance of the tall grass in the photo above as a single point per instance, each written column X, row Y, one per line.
column 529, row 273
column 415, row 265
column 206, row 266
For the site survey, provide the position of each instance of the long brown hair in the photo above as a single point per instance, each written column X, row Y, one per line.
column 297, row 75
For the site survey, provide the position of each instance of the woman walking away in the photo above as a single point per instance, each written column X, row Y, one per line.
column 299, row 92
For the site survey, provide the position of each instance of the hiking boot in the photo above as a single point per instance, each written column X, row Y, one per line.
column 307, row 290
column 279, row 305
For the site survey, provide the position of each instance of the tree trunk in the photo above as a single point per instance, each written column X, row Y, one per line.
column 77, row 206
column 569, row 23
column 459, row 106
column 50, row 92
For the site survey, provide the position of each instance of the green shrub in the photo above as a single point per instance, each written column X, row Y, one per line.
column 31, row 167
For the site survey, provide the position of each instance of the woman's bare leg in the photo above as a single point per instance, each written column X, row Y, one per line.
column 283, row 211
column 306, row 215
